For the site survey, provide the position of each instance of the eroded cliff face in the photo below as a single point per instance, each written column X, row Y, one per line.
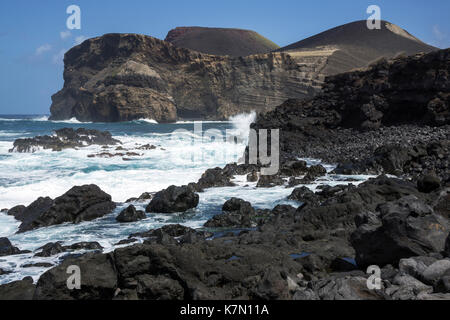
column 402, row 100
column 122, row 77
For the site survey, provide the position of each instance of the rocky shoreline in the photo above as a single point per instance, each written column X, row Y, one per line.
column 288, row 253
column 391, row 121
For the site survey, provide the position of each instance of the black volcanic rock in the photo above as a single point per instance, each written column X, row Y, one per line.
column 63, row 139
column 50, row 249
column 130, row 214
column 81, row 203
column 84, row 246
column 33, row 211
column 37, row 265
column 16, row 211
column 214, row 178
column 336, row 214
column 7, row 249
column 99, row 280
column 173, row 199
column 291, row 254
column 172, row 234
column 399, row 229
column 169, row 271
column 18, row 290
column 236, row 213
column 305, row 195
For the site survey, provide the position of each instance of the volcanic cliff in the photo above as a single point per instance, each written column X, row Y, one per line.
column 123, row 77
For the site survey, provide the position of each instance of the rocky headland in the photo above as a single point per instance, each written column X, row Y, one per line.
column 123, row 77
column 392, row 118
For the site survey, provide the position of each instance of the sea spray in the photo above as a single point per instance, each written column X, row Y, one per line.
column 241, row 124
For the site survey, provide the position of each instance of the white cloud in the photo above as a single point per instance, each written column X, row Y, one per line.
column 65, row 34
column 59, row 57
column 438, row 33
column 80, row 39
column 441, row 38
column 43, row 49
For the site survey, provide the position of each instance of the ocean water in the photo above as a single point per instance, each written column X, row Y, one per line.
column 184, row 151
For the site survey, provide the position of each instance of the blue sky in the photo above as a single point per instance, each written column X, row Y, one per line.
column 34, row 36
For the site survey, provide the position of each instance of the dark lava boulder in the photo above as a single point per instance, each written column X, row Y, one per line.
column 81, row 203
column 236, row 213
column 327, row 220
column 340, row 206
column 216, row 177
column 94, row 245
column 173, row 199
column 305, row 195
column 33, row 212
column 16, row 211
column 375, row 191
column 399, row 229
column 314, row 172
column 50, row 249
column 98, row 279
column 18, row 290
column 269, row 181
column 172, row 234
column 130, row 214
column 7, row 249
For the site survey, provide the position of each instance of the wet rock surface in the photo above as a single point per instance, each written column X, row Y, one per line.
column 236, row 213
column 66, row 138
column 18, row 290
column 130, row 214
column 81, row 203
column 173, row 199
column 305, row 254
column 7, row 248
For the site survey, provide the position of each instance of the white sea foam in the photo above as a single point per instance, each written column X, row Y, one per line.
column 202, row 121
column 40, row 118
column 70, row 121
column 178, row 159
column 146, row 121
